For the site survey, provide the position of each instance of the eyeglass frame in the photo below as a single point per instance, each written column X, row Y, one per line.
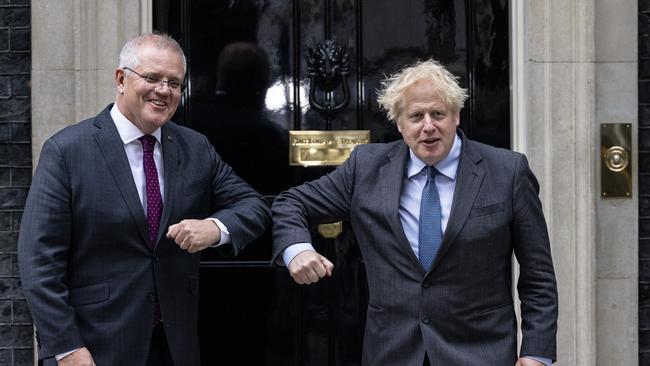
column 182, row 86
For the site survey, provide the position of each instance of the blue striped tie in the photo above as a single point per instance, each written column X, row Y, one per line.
column 430, row 230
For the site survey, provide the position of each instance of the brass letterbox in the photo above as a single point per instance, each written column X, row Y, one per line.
column 322, row 148
column 318, row 148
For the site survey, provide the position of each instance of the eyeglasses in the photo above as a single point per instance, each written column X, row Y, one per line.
column 174, row 85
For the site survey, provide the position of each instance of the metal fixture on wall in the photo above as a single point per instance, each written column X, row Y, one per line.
column 616, row 159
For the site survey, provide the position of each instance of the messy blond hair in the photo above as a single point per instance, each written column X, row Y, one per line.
column 391, row 93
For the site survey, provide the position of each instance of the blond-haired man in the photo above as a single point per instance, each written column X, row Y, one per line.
column 437, row 217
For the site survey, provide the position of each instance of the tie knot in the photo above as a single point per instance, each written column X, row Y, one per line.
column 148, row 142
column 431, row 172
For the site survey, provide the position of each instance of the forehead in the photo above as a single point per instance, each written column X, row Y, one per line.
column 164, row 61
column 423, row 94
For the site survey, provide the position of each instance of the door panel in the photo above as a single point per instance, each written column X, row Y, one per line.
column 249, row 84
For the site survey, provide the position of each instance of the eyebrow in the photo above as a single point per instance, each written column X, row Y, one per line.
column 158, row 75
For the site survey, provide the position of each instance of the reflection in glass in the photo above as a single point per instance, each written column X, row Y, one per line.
column 276, row 97
column 235, row 120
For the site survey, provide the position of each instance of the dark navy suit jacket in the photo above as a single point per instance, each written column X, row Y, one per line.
column 461, row 312
column 86, row 266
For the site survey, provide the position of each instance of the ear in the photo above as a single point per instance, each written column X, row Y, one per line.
column 399, row 124
column 457, row 118
column 120, row 80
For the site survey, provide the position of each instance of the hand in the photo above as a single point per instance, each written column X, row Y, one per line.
column 308, row 267
column 527, row 361
column 194, row 235
column 80, row 357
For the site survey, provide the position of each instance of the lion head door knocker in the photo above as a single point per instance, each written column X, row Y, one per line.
column 328, row 66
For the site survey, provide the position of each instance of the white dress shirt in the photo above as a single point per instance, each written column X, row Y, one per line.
column 130, row 134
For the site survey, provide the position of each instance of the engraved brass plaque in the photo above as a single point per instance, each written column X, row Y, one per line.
column 319, row 148
column 615, row 160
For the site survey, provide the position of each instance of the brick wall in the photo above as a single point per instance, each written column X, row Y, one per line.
column 16, row 347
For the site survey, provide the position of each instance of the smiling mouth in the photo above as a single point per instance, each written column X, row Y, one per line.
column 158, row 103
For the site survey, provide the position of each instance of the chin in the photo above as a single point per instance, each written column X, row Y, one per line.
column 431, row 159
column 160, row 120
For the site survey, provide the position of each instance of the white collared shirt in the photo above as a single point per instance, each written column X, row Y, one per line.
column 130, row 134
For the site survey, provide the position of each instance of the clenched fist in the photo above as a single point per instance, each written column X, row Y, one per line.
column 309, row 267
column 194, row 235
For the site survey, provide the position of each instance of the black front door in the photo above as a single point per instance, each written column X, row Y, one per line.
column 249, row 84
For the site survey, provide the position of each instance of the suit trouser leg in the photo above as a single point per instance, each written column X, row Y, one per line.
column 159, row 354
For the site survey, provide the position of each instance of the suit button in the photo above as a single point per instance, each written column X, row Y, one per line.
column 425, row 320
column 151, row 297
column 425, row 285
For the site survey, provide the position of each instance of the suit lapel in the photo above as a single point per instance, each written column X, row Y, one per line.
column 112, row 149
column 170, row 157
column 392, row 179
column 468, row 181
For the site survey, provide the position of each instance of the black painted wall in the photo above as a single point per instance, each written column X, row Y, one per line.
column 644, row 182
column 16, row 347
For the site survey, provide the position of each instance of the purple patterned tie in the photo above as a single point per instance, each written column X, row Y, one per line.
column 154, row 201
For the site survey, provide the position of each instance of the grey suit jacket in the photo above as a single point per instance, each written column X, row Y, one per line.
column 85, row 263
column 461, row 312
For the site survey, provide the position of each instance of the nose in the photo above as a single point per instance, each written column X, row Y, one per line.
column 163, row 88
column 427, row 123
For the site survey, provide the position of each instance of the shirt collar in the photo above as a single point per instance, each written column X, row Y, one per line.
column 447, row 166
column 127, row 130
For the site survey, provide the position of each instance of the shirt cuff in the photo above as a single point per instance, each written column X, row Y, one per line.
column 225, row 234
column 62, row 355
column 544, row 360
column 293, row 250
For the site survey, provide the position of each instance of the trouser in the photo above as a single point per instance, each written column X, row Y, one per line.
column 159, row 354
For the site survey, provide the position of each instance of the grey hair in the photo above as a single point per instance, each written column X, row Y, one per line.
column 129, row 53
column 391, row 93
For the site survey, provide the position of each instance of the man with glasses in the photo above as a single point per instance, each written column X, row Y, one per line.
column 120, row 206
